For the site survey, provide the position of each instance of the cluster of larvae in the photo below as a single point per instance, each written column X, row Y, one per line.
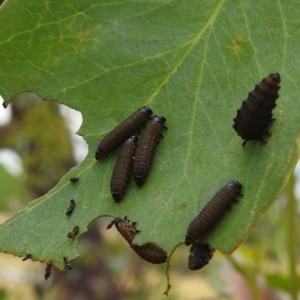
column 135, row 156
column 200, row 254
column 250, row 124
column 70, row 235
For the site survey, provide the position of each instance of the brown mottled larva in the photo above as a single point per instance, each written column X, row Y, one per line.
column 256, row 112
column 151, row 253
column 122, row 170
column 74, row 232
column 212, row 211
column 146, row 149
column 70, row 208
column 48, row 270
column 122, row 132
column 200, row 255
column 126, row 228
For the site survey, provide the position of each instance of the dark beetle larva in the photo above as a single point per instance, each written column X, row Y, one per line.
column 70, row 208
column 67, row 263
column 146, row 148
column 27, row 256
column 73, row 233
column 48, row 270
column 126, row 228
column 212, row 211
column 200, row 255
column 151, row 253
column 74, row 179
column 122, row 170
column 122, row 132
column 256, row 112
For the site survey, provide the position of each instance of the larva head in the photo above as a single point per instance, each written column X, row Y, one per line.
column 146, row 110
column 133, row 139
column 274, row 79
column 159, row 119
column 235, row 185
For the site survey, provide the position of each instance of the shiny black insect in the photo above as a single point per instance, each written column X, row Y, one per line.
column 48, row 270
column 212, row 211
column 122, row 132
column 146, row 149
column 151, row 253
column 255, row 114
column 74, row 179
column 200, row 255
column 122, row 170
column 126, row 228
column 67, row 263
column 70, row 208
column 73, row 233
column 27, row 256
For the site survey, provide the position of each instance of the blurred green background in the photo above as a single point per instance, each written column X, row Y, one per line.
column 264, row 267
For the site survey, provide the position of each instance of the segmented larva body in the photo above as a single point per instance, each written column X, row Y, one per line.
column 256, row 112
column 126, row 228
column 200, row 255
column 48, row 270
column 146, row 149
column 70, row 208
column 151, row 253
column 122, row 132
column 212, row 211
column 122, row 171
column 67, row 263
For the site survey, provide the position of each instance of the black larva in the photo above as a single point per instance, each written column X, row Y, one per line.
column 74, row 179
column 122, row 132
column 67, row 263
column 255, row 114
column 212, row 211
column 146, row 149
column 70, row 208
column 73, row 233
column 122, row 170
column 27, row 256
column 200, row 255
column 48, row 270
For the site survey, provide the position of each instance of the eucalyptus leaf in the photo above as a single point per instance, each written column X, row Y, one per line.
column 193, row 62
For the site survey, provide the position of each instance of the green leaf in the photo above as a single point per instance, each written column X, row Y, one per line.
column 193, row 62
